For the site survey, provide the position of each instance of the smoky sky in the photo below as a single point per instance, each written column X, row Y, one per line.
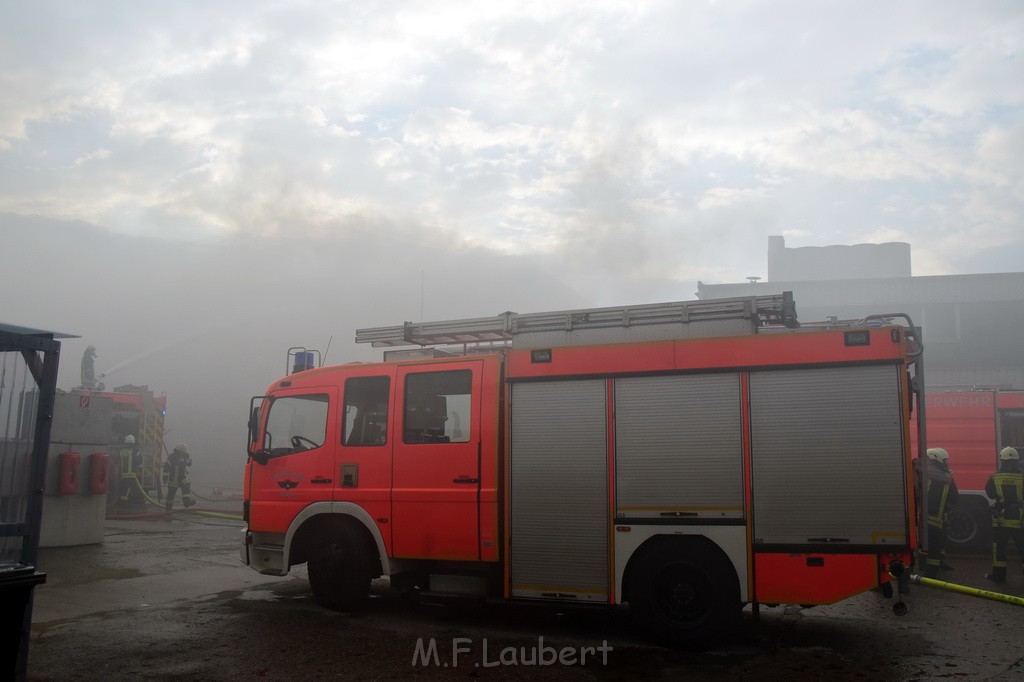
column 650, row 139
column 210, row 325
column 194, row 187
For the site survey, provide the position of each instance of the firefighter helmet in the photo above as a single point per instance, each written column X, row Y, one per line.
column 130, row 439
column 180, row 447
column 1009, row 453
column 938, row 454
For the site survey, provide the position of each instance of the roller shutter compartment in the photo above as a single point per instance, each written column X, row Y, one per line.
column 559, row 490
column 679, row 447
column 827, row 457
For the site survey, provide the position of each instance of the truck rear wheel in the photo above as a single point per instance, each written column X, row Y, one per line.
column 968, row 526
column 339, row 570
column 684, row 592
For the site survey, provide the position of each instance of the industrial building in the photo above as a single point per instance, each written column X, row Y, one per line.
column 972, row 324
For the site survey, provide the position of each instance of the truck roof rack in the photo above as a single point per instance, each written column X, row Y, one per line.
column 683, row 319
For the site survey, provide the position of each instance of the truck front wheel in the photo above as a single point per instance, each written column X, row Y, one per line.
column 339, row 570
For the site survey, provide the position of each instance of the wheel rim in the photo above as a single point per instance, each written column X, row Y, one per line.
column 683, row 594
column 961, row 527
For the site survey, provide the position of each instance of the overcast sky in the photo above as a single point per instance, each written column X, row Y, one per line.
column 184, row 180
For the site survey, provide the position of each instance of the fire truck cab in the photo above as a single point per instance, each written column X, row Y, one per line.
column 686, row 458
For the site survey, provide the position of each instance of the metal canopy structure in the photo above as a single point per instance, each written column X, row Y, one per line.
column 28, row 382
column 29, row 331
column 776, row 309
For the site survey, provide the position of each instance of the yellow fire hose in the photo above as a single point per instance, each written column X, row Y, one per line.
column 216, row 515
column 155, row 503
column 963, row 589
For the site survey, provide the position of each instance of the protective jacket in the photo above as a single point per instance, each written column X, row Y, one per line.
column 176, row 466
column 942, row 493
column 131, row 492
column 129, row 462
column 1006, row 487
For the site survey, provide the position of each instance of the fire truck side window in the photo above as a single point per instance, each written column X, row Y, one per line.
column 296, row 423
column 1013, row 429
column 366, row 411
column 437, row 407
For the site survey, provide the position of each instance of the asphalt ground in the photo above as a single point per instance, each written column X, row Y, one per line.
column 170, row 600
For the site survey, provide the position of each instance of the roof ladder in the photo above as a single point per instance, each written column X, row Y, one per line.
column 596, row 325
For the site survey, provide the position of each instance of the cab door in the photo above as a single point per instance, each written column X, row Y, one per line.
column 436, row 475
column 296, row 461
column 363, row 465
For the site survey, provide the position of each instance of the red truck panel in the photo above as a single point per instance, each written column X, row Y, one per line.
column 964, row 423
column 812, row 578
column 764, row 350
column 1010, row 401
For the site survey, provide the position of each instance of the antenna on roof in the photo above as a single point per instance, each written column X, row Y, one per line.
column 324, row 358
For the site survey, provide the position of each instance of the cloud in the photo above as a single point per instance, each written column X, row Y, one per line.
column 208, row 183
column 716, row 197
column 629, row 135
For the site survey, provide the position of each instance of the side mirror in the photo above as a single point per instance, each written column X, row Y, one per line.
column 254, row 426
column 255, row 449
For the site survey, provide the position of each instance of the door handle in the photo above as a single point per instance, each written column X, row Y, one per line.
column 465, row 480
column 320, row 479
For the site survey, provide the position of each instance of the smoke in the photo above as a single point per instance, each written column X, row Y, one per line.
column 210, row 325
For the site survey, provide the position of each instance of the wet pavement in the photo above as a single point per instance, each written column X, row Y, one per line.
column 170, row 600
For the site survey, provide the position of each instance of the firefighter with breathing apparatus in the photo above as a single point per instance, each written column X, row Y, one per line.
column 130, row 461
column 176, row 474
column 1006, row 488
column 942, row 496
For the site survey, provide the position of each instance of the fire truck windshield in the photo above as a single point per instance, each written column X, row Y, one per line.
column 295, row 423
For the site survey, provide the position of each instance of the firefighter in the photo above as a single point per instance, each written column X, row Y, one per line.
column 130, row 461
column 942, row 496
column 176, row 471
column 1006, row 487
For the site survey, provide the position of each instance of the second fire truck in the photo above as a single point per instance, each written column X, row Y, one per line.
column 684, row 458
column 973, row 424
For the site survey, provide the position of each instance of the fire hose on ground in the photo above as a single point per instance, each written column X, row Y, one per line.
column 963, row 589
column 903, row 576
column 164, row 511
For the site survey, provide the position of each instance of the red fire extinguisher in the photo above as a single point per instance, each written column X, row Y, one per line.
column 69, row 462
column 99, row 465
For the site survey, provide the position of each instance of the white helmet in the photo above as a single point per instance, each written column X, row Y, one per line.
column 130, row 439
column 1009, row 453
column 938, row 454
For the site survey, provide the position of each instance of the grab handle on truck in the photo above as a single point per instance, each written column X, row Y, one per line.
column 913, row 333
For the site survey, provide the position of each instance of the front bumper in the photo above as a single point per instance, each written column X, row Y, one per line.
column 263, row 552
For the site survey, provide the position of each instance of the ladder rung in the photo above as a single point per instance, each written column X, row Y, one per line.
column 774, row 309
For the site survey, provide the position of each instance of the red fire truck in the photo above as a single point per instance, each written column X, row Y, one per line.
column 973, row 424
column 140, row 414
column 684, row 458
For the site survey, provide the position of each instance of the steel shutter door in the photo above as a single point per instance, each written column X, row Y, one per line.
column 827, row 456
column 559, row 490
column 679, row 446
